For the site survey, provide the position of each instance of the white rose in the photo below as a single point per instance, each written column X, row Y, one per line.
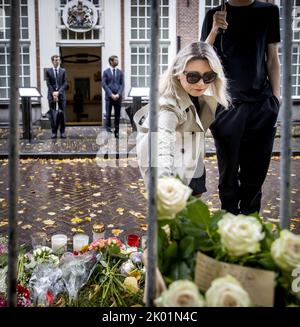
column 172, row 196
column 286, row 250
column 227, row 292
column 181, row 293
column 240, row 234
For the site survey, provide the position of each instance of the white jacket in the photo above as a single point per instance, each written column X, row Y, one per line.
column 181, row 132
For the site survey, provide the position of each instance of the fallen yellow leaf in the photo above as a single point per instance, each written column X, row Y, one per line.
column 26, row 227
column 120, row 211
column 77, row 230
column 76, row 220
column 51, row 213
column 49, row 222
column 97, row 194
column 117, row 232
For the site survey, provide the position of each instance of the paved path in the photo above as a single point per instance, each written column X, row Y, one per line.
column 62, row 195
column 89, row 141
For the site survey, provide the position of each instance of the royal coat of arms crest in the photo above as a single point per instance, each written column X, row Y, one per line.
column 80, row 16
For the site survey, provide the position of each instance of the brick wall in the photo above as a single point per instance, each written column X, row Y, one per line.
column 187, row 22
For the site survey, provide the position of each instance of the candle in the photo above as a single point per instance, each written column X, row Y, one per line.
column 59, row 243
column 98, row 231
column 79, row 241
column 133, row 240
column 38, row 240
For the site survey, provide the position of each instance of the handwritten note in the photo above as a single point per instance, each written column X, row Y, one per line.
column 259, row 283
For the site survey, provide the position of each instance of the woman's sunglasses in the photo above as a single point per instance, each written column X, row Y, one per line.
column 195, row 77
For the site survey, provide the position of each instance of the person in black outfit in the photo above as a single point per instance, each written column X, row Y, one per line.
column 56, row 78
column 244, row 135
column 113, row 84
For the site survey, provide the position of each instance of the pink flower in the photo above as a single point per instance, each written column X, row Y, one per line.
column 98, row 245
column 114, row 241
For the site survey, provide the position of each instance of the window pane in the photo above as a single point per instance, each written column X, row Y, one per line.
column 24, row 22
column 142, row 22
column 25, row 34
column 133, row 70
column 2, row 81
column 26, row 59
column 142, row 34
column 24, row 11
column 3, row 93
column 134, row 34
column 165, row 34
column 96, row 34
column 133, row 11
column 26, row 81
column 142, row 70
column 64, row 34
column 26, row 70
column 134, row 22
column 2, row 70
column 134, row 60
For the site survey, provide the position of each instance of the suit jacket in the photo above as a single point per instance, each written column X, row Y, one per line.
column 61, row 82
column 112, row 86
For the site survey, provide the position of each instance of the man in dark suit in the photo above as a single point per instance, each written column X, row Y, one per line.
column 56, row 79
column 113, row 84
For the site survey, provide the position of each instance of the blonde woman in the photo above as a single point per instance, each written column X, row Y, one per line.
column 189, row 92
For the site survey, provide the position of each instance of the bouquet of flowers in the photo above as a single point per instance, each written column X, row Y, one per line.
column 105, row 273
column 186, row 227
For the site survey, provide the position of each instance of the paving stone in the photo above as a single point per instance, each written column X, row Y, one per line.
column 52, row 192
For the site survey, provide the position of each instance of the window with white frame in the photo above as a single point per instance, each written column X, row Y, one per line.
column 4, row 47
column 94, row 34
column 140, row 40
column 295, row 47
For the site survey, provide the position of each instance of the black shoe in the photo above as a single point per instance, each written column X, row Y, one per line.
column 116, row 135
column 108, row 129
column 54, row 136
column 63, row 136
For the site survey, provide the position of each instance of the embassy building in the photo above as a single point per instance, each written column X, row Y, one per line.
column 85, row 33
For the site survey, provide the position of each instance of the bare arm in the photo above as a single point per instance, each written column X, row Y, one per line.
column 273, row 67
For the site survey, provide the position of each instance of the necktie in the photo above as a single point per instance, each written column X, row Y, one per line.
column 56, row 77
column 114, row 74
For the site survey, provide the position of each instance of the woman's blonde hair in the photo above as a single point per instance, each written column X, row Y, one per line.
column 169, row 83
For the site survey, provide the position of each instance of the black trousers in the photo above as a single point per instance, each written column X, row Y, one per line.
column 57, row 117
column 244, row 137
column 117, row 108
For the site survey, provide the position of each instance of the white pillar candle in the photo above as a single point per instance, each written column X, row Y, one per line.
column 59, row 243
column 79, row 241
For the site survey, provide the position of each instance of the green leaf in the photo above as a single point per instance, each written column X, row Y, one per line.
column 169, row 256
column 184, row 271
column 217, row 216
column 186, row 247
column 198, row 213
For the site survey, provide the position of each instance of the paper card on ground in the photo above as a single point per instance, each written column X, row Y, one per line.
column 259, row 283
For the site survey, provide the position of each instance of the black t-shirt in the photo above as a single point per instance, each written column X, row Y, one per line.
column 250, row 29
column 195, row 101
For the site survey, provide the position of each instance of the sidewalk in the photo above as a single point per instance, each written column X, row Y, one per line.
column 89, row 141
column 62, row 196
